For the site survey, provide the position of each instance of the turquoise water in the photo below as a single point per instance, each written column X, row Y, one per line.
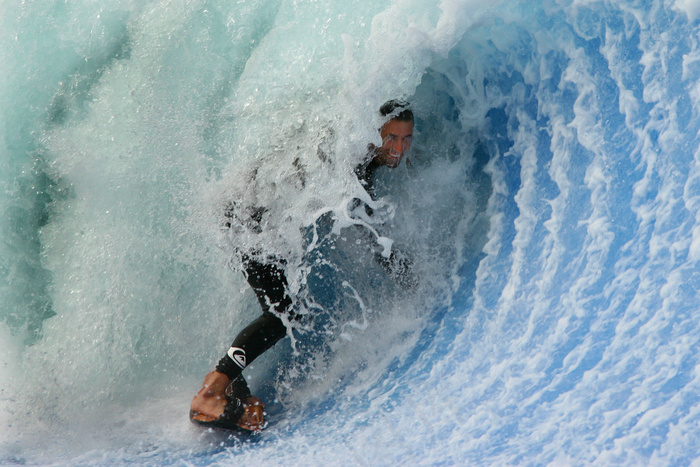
column 550, row 209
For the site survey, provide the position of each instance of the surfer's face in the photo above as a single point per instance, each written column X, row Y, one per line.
column 396, row 140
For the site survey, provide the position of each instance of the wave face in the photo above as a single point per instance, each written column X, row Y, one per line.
column 550, row 211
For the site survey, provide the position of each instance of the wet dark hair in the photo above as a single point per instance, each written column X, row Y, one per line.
column 392, row 109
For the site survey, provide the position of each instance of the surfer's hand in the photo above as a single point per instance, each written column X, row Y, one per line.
column 253, row 417
column 210, row 401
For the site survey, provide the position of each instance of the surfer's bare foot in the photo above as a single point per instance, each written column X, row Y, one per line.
column 209, row 403
column 253, row 417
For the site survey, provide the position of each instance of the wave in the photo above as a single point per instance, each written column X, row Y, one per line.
column 550, row 210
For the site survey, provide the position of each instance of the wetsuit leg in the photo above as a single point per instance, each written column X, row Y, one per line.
column 270, row 286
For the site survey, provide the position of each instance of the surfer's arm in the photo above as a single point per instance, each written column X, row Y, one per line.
column 212, row 406
column 365, row 172
column 250, row 343
column 397, row 265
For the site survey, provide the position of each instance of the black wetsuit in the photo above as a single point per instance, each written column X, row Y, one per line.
column 270, row 285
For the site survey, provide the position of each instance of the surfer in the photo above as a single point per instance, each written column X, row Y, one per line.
column 225, row 400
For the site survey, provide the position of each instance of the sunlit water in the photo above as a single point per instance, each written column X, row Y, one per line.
column 551, row 211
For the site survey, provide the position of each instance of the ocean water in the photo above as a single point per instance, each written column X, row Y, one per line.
column 551, row 211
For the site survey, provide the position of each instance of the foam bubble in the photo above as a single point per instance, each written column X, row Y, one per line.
column 690, row 7
column 10, row 358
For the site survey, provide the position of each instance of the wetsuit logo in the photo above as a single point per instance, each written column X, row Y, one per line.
column 237, row 355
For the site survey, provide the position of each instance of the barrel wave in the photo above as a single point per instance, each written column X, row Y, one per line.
column 550, row 211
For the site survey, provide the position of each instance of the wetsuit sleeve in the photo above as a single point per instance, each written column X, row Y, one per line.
column 250, row 343
column 365, row 173
column 270, row 286
column 398, row 265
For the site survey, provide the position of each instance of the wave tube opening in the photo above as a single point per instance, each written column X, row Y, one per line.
column 550, row 211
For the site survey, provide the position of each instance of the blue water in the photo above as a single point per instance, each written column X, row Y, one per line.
column 550, row 210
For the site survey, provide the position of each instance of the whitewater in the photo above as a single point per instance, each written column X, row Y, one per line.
column 551, row 211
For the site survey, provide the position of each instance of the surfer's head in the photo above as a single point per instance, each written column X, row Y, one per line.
column 396, row 133
column 397, row 110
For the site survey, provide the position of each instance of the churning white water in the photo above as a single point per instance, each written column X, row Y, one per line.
column 550, row 208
